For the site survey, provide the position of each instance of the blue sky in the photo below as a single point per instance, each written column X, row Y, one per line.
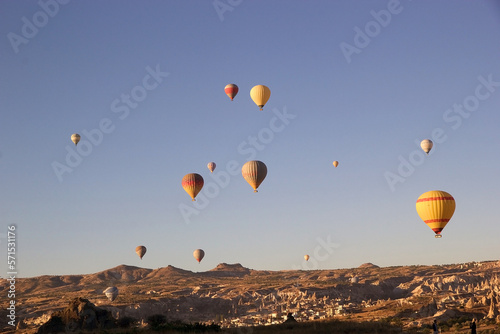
column 361, row 82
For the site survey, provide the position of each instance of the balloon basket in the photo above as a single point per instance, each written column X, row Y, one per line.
column 438, row 236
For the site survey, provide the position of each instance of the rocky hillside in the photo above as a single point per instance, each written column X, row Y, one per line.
column 231, row 294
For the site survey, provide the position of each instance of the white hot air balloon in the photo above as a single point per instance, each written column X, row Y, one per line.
column 426, row 145
column 111, row 292
column 199, row 254
column 254, row 172
column 211, row 166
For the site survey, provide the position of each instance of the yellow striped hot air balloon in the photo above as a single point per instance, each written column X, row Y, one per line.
column 192, row 184
column 254, row 172
column 436, row 208
column 260, row 94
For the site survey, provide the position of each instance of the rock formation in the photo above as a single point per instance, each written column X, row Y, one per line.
column 79, row 315
column 493, row 312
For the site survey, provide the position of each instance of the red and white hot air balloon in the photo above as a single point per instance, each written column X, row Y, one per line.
column 231, row 90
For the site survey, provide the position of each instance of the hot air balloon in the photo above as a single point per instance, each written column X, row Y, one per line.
column 426, row 145
column 75, row 138
column 111, row 292
column 211, row 166
column 231, row 90
column 436, row 208
column 306, row 257
column 140, row 250
column 260, row 94
column 254, row 172
column 192, row 184
column 335, row 163
column 198, row 255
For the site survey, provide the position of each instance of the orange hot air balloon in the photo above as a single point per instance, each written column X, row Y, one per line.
column 306, row 257
column 140, row 250
column 211, row 166
column 436, row 208
column 254, row 172
column 231, row 90
column 335, row 163
column 260, row 94
column 199, row 254
column 192, row 184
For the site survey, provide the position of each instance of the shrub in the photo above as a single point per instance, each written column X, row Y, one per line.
column 156, row 320
column 126, row 322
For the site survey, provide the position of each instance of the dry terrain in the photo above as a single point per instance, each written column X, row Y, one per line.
column 233, row 296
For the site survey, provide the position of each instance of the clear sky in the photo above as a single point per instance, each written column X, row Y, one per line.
column 361, row 82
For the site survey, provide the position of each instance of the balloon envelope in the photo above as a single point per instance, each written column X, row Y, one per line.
column 199, row 254
column 306, row 257
column 231, row 90
column 192, row 184
column 260, row 94
column 75, row 138
column 111, row 292
column 436, row 208
column 254, row 172
column 335, row 163
column 211, row 166
column 426, row 145
column 140, row 250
